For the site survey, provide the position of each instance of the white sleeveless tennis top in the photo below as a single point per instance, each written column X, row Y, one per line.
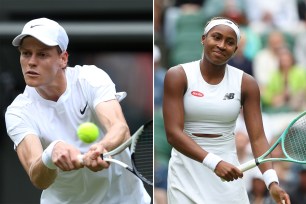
column 211, row 109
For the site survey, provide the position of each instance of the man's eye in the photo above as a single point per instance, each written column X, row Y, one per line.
column 25, row 54
column 42, row 54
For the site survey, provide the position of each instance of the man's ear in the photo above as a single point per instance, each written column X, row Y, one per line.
column 64, row 59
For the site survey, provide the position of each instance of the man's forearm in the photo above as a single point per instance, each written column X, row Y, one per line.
column 40, row 175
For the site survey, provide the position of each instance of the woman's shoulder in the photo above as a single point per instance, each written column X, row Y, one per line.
column 190, row 65
column 175, row 71
column 234, row 69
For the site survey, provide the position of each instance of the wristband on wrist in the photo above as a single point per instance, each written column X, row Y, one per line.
column 47, row 155
column 211, row 161
column 269, row 177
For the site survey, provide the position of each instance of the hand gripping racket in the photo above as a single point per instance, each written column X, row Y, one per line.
column 141, row 146
column 293, row 143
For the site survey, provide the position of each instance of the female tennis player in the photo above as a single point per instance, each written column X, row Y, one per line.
column 202, row 100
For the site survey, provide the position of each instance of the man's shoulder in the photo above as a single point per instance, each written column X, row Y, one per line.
column 83, row 71
column 88, row 73
column 20, row 102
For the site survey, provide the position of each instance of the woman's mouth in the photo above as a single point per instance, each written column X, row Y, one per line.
column 218, row 53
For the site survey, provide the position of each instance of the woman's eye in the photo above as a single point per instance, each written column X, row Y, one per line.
column 230, row 43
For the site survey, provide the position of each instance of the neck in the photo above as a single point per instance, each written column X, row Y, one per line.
column 212, row 74
column 54, row 90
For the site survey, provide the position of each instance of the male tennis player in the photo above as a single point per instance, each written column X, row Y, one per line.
column 42, row 123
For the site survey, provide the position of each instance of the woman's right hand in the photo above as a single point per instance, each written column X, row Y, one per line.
column 227, row 171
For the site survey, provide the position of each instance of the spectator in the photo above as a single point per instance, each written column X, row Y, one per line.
column 172, row 13
column 159, row 75
column 162, row 151
column 259, row 194
column 277, row 14
column 162, row 148
column 286, row 88
column 299, row 49
column 301, row 5
column 266, row 60
column 298, row 193
column 239, row 59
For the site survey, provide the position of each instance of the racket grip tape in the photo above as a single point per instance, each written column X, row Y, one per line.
column 80, row 158
column 248, row 165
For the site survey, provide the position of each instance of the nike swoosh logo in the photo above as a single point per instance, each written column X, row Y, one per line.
column 83, row 111
column 35, row 26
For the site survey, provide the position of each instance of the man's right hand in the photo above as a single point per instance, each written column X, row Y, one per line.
column 64, row 156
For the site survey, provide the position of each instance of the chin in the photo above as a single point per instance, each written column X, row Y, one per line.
column 218, row 63
column 31, row 83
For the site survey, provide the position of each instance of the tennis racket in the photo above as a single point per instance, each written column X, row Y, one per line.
column 141, row 146
column 292, row 141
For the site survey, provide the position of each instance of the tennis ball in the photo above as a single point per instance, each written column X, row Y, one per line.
column 88, row 132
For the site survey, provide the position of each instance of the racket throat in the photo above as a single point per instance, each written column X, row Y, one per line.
column 257, row 162
column 139, row 176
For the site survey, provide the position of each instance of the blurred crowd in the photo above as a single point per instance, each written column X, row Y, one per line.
column 272, row 49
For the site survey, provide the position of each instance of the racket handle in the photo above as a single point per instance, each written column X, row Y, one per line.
column 80, row 158
column 248, row 165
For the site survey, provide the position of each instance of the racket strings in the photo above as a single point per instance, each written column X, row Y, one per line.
column 143, row 153
column 295, row 140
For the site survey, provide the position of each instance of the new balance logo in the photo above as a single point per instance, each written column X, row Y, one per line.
column 229, row 96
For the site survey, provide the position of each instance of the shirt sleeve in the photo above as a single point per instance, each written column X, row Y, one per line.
column 17, row 125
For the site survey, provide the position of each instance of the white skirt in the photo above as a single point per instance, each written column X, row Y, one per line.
column 191, row 182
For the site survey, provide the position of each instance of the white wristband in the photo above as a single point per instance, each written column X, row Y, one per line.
column 47, row 155
column 211, row 161
column 269, row 177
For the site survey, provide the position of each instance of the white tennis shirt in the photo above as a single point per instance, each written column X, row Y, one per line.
column 29, row 113
column 211, row 109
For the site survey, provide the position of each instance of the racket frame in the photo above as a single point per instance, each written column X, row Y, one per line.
column 255, row 162
column 132, row 141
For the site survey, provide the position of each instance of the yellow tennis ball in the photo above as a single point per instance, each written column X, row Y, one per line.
column 88, row 132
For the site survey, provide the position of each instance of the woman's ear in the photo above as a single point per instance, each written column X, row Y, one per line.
column 203, row 39
column 236, row 49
